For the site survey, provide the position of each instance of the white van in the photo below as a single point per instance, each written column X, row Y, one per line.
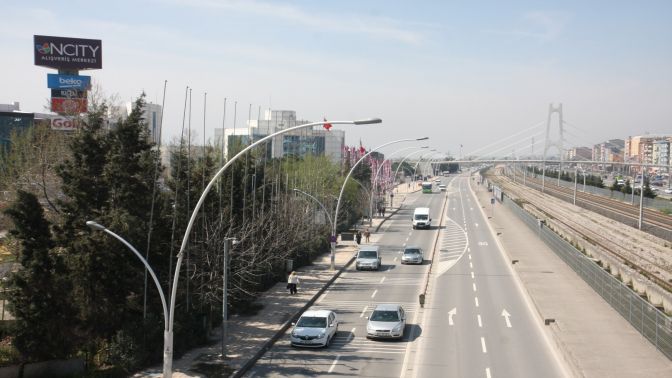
column 421, row 218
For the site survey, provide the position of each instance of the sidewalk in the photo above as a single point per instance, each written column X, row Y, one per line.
column 593, row 339
column 249, row 336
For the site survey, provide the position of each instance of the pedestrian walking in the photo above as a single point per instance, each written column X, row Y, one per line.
column 367, row 234
column 358, row 237
column 293, row 282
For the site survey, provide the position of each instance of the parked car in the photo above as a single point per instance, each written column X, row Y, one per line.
column 387, row 321
column 315, row 328
column 368, row 257
column 412, row 255
column 668, row 191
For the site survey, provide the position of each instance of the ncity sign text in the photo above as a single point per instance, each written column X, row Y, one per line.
column 68, row 53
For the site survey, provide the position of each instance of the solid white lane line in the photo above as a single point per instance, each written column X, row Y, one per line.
column 382, row 280
column 480, row 324
column 487, row 373
column 476, row 301
column 363, row 311
column 474, row 285
column 374, row 293
column 472, row 275
column 333, row 364
column 485, row 350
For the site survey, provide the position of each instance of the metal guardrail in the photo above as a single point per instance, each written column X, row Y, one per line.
column 650, row 321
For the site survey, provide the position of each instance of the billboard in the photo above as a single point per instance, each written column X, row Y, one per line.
column 68, row 105
column 55, row 81
column 68, row 53
column 68, row 93
column 64, row 124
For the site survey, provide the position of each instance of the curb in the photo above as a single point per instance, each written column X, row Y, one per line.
column 268, row 344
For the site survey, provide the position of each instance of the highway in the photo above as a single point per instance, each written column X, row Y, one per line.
column 476, row 322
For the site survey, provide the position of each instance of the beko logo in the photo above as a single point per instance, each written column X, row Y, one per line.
column 68, row 49
column 70, row 82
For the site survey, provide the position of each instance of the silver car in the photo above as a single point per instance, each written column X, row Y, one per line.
column 315, row 328
column 387, row 321
column 412, row 255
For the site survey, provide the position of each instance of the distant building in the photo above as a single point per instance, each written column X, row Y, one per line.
column 151, row 115
column 12, row 119
column 661, row 155
column 579, row 153
column 648, row 149
column 314, row 141
column 609, row 151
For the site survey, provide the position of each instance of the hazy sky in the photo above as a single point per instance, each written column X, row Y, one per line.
column 460, row 72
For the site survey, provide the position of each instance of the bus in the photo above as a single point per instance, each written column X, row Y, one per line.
column 426, row 187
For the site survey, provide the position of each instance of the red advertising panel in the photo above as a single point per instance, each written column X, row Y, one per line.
column 64, row 124
column 68, row 105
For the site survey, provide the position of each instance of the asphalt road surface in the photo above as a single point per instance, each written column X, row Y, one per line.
column 476, row 322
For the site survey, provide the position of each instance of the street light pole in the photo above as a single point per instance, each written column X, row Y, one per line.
column 340, row 196
column 168, row 333
column 96, row 226
column 375, row 181
column 420, row 149
column 332, row 239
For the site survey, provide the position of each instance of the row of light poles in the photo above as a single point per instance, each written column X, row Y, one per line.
column 169, row 307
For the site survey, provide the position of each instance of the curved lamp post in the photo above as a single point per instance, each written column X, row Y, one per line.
column 168, row 332
column 331, row 221
column 375, row 181
column 99, row 227
column 420, row 149
column 352, row 169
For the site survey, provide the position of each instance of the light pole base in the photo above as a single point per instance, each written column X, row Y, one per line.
column 167, row 354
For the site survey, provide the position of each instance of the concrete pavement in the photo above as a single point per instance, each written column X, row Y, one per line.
column 594, row 339
column 249, row 336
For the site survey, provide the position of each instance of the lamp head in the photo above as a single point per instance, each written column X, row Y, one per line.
column 368, row 121
column 95, row 226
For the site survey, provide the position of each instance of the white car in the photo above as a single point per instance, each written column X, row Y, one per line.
column 315, row 328
column 668, row 191
column 387, row 321
column 442, row 187
column 412, row 255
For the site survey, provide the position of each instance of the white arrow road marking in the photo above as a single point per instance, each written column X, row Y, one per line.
column 506, row 316
column 333, row 364
column 450, row 316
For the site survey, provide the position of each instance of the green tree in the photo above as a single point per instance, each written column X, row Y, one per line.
column 37, row 290
column 626, row 188
column 648, row 193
